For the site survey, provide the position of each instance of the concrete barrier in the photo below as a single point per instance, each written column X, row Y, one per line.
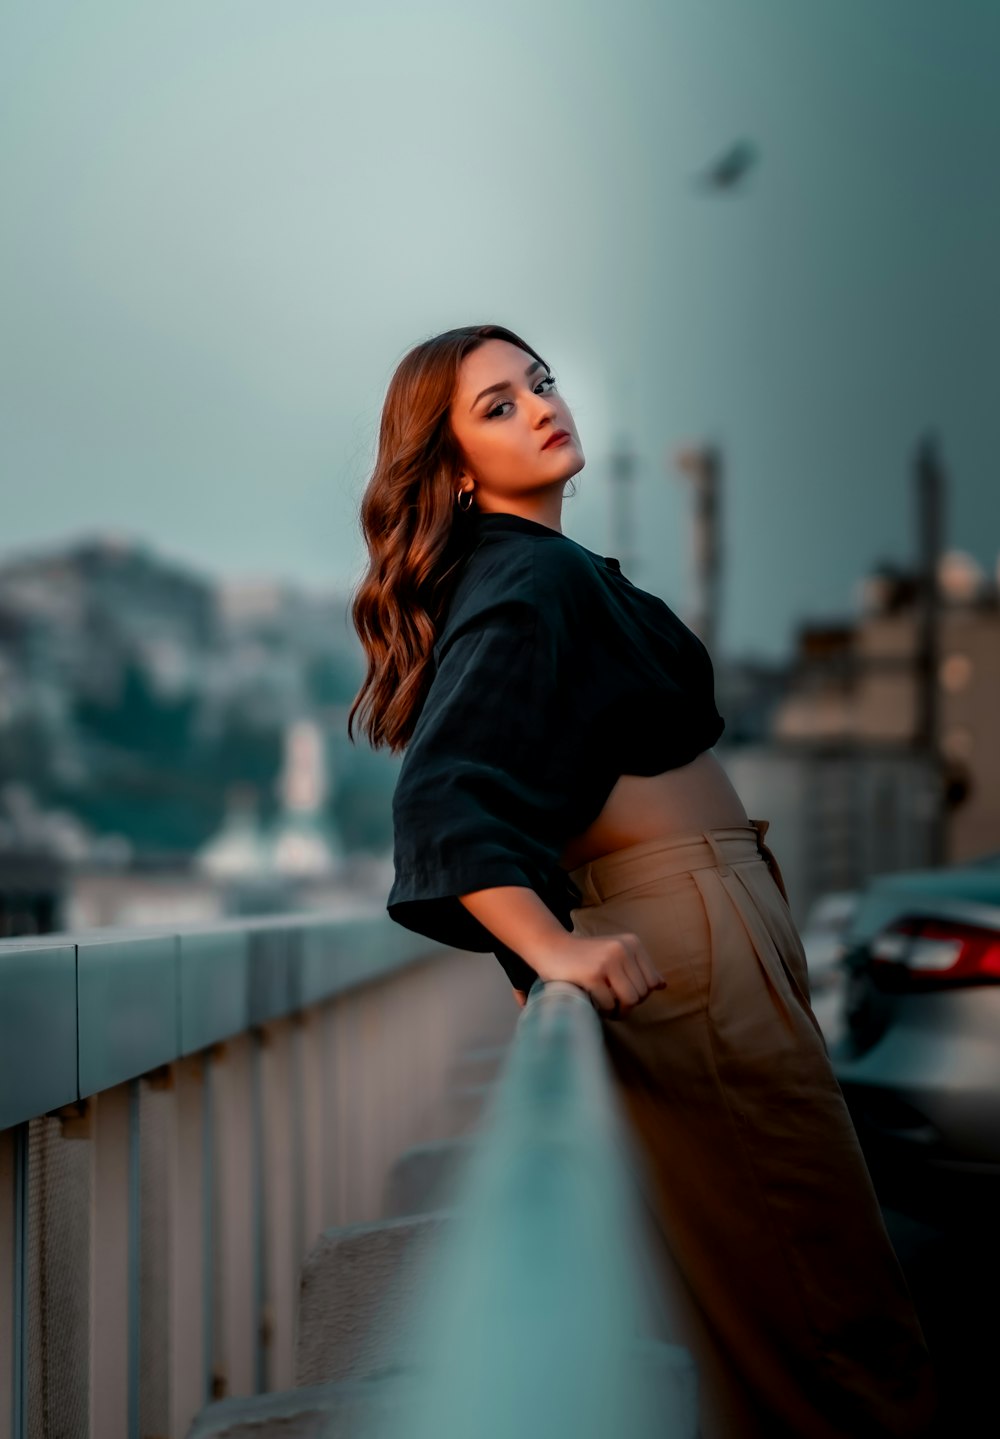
column 425, row 1177
column 354, row 1284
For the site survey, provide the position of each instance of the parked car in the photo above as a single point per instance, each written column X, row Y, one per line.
column 918, row 1050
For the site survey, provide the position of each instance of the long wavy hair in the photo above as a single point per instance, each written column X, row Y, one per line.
column 416, row 534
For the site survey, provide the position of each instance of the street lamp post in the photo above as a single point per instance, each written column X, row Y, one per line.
column 622, row 475
column 929, row 481
column 703, row 466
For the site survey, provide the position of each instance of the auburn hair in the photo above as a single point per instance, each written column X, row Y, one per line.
column 415, row 533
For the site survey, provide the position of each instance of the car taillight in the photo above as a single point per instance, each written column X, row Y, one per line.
column 917, row 953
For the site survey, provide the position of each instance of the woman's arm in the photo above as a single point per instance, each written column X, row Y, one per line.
column 614, row 969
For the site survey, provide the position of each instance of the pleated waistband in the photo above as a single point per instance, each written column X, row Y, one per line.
column 602, row 878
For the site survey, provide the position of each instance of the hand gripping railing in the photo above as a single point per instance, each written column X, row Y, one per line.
column 537, row 1312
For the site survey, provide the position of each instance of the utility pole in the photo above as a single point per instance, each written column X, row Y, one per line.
column 703, row 465
column 929, row 484
column 622, row 507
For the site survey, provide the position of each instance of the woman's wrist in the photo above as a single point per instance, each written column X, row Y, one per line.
column 547, row 957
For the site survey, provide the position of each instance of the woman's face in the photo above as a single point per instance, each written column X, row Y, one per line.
column 502, row 433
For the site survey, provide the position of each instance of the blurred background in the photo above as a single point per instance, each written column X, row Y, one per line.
column 757, row 245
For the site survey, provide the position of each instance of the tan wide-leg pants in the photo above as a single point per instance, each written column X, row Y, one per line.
column 782, row 1278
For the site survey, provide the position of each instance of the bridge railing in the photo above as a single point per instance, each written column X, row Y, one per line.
column 181, row 1113
column 541, row 1308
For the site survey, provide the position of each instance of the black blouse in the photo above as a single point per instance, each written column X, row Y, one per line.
column 552, row 675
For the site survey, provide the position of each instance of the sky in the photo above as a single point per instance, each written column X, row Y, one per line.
column 227, row 221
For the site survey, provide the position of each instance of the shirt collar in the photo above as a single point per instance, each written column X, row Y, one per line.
column 498, row 521
column 490, row 520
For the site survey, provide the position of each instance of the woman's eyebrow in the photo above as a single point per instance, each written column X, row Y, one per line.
column 505, row 384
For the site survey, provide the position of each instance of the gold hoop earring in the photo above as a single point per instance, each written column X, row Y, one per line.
column 458, row 500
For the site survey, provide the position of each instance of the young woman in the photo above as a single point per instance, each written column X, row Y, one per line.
column 559, row 804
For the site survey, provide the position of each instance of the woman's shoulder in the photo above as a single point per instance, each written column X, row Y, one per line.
column 523, row 574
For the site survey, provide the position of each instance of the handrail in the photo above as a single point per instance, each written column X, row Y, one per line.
column 83, row 1011
column 536, row 1312
column 182, row 1111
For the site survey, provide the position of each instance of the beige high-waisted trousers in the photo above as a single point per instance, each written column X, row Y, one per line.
column 781, row 1276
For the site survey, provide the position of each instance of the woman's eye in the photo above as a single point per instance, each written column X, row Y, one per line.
column 547, row 380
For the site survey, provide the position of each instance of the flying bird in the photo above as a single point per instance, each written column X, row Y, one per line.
column 730, row 169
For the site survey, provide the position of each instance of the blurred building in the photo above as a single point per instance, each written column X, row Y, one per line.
column 748, row 691
column 32, row 892
column 857, row 684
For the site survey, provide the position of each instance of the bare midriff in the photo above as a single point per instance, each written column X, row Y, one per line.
column 681, row 801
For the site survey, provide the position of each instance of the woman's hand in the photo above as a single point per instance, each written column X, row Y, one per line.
column 614, row 969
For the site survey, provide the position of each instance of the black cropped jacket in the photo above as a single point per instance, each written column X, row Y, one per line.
column 552, row 675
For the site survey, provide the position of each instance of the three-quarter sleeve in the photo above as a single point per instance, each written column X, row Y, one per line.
column 482, row 793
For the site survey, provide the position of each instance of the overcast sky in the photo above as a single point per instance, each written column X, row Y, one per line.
column 226, row 221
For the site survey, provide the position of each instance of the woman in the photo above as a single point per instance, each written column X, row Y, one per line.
column 559, row 804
